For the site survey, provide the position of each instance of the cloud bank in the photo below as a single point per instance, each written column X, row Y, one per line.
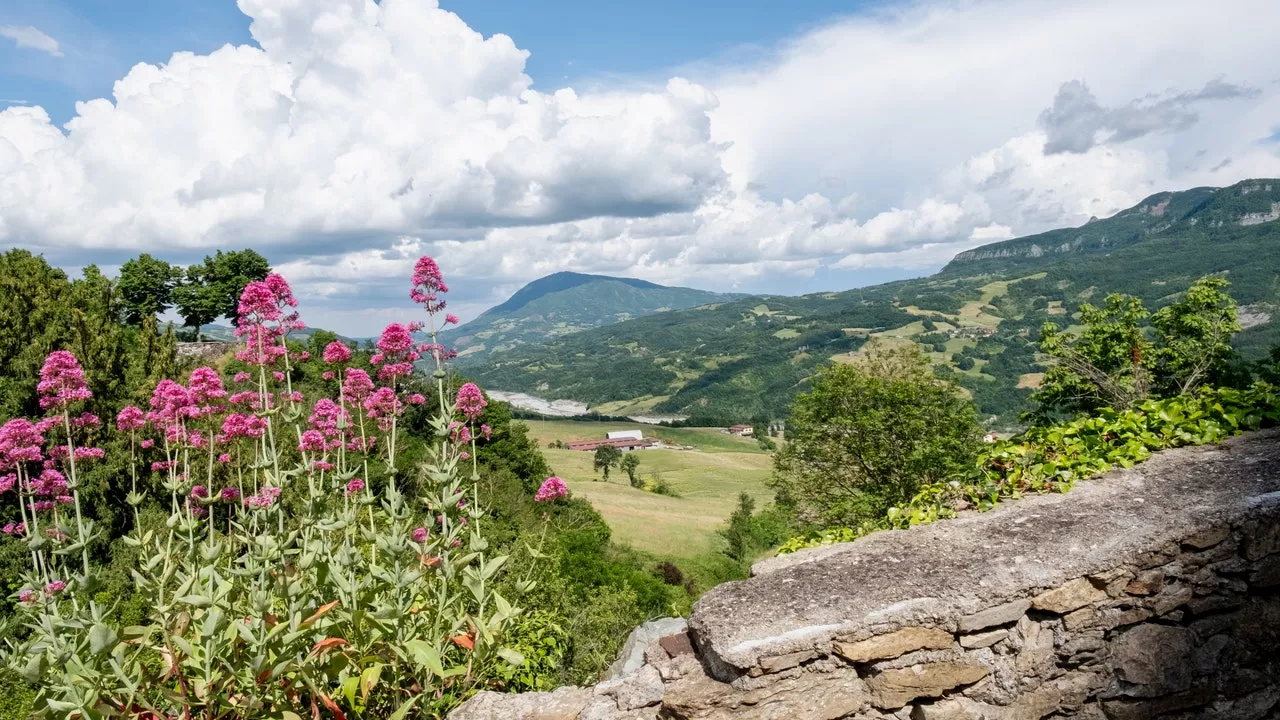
column 355, row 136
column 27, row 36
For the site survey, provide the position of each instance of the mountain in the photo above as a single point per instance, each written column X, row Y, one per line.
column 226, row 333
column 978, row 317
column 565, row 303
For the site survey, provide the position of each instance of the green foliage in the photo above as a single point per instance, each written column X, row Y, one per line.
column 1054, row 458
column 212, row 289
column 868, row 435
column 607, row 456
column 1114, row 364
column 17, row 698
column 146, row 287
column 630, row 464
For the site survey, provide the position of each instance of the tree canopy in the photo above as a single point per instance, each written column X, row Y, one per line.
column 146, row 287
column 869, row 434
column 212, row 289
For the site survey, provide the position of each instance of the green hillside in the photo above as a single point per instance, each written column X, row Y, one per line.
column 978, row 318
column 566, row 303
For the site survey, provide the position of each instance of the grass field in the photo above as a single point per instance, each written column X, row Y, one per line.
column 708, row 481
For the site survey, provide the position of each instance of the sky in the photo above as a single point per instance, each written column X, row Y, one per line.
column 749, row 146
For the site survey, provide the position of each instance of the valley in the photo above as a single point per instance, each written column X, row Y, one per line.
column 978, row 318
column 706, row 478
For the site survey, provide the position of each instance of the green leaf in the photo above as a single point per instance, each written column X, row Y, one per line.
column 369, row 679
column 511, row 656
column 101, row 638
column 426, row 656
column 403, row 711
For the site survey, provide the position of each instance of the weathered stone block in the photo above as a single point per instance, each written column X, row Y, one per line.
column 985, row 639
column 1208, row 538
column 1156, row 707
column 1147, row 582
column 956, row 709
column 998, row 615
column 894, row 644
column 1071, row 596
column 778, row 663
column 895, row 688
column 641, row 688
column 1153, row 660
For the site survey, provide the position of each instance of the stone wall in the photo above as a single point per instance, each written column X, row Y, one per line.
column 1149, row 592
column 208, row 350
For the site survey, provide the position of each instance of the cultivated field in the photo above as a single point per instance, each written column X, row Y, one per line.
column 708, row 481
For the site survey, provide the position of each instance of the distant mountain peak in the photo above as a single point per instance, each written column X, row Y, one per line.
column 567, row 302
column 557, row 282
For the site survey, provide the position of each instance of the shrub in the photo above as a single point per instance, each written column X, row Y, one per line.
column 868, row 436
column 1054, row 458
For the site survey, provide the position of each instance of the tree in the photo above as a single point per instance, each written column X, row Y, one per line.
column 212, row 289
column 1193, row 337
column 146, row 287
column 607, row 456
column 965, row 363
column 630, row 463
column 1118, row 361
column 1103, row 367
column 868, row 435
column 738, row 535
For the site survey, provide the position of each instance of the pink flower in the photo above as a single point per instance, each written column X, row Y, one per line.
column 130, row 418
column 199, row 491
column 311, row 441
column 336, row 352
column 206, row 386
column 355, row 486
column 553, row 488
column 279, row 376
column 486, row 431
column 147, row 443
column 327, row 374
column 229, row 494
column 357, row 386
column 61, row 381
column 224, row 458
column 240, row 377
column 55, row 587
column 86, row 420
column 428, row 285
column 27, row 597
column 420, row 535
column 259, row 501
column 7, row 482
column 169, row 402
column 459, row 433
column 471, row 402
column 382, row 406
column 450, row 319
column 304, row 356
column 20, row 442
column 416, row 399
column 90, row 453
column 322, row 465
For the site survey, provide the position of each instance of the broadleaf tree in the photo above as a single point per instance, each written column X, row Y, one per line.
column 869, row 434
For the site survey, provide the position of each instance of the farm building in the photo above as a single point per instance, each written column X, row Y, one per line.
column 743, row 430
column 625, row 435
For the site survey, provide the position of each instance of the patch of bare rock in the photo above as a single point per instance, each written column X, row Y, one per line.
column 1152, row 592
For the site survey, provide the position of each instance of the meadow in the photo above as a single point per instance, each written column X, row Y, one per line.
column 707, row 481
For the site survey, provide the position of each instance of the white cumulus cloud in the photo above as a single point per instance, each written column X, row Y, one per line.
column 354, row 136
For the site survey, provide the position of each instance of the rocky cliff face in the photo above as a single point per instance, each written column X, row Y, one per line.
column 1149, row 592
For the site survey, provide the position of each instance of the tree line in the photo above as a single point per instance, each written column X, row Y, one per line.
column 200, row 293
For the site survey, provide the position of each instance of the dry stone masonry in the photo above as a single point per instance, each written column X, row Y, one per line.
column 1152, row 592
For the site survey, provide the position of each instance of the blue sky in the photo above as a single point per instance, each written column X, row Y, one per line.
column 780, row 147
column 572, row 42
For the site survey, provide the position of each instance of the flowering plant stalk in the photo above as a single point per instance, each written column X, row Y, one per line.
column 286, row 580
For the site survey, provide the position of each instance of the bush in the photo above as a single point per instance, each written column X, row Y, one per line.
column 1053, row 459
column 869, row 435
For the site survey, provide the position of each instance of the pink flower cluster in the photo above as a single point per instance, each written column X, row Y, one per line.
column 553, row 488
column 396, row 353
column 129, row 419
column 428, row 285
column 470, row 402
column 264, row 498
column 263, row 318
column 62, row 381
column 336, row 353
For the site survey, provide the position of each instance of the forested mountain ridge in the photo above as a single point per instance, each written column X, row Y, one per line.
column 978, row 318
column 564, row 303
